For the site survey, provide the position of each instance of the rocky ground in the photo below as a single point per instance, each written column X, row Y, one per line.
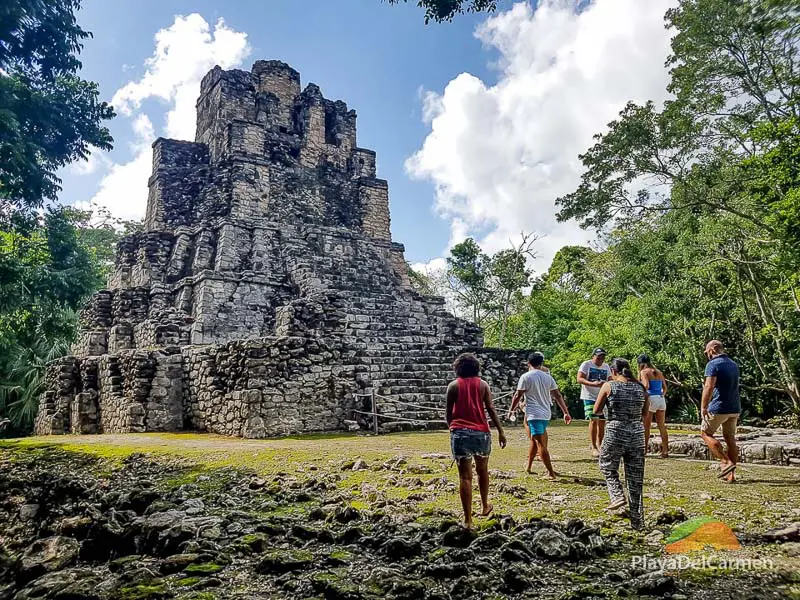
column 75, row 525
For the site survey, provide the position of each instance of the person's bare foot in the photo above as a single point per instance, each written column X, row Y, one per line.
column 487, row 511
column 530, row 472
column 468, row 524
column 551, row 476
column 595, row 453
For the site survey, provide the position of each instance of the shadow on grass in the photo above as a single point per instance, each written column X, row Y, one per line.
column 774, row 482
column 585, row 481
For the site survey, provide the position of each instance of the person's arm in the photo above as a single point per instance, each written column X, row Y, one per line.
column 644, row 380
column 646, row 405
column 518, row 395
column 663, row 384
column 559, row 399
column 708, row 387
column 708, row 390
column 602, row 397
column 452, row 395
column 515, row 401
column 487, row 401
column 583, row 380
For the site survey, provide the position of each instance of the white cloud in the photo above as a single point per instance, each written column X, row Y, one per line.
column 96, row 161
column 183, row 53
column 500, row 155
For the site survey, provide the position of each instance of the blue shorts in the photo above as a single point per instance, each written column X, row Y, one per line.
column 466, row 443
column 538, row 426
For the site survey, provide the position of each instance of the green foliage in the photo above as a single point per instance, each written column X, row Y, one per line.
column 49, row 116
column 486, row 288
column 446, row 10
column 708, row 248
column 420, row 281
column 469, row 274
column 49, row 265
column 51, row 259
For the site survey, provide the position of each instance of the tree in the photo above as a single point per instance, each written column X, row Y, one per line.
column 48, row 269
column 720, row 161
column 510, row 275
column 469, row 277
column 445, row 10
column 49, row 116
column 734, row 65
column 421, row 282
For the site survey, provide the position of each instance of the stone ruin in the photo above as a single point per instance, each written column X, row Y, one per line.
column 755, row 445
column 265, row 295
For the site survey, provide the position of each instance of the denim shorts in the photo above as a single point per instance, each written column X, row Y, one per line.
column 466, row 443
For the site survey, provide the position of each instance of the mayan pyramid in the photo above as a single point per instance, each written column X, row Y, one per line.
column 265, row 295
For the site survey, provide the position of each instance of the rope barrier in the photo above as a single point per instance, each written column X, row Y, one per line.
column 420, row 406
column 394, row 401
column 393, row 418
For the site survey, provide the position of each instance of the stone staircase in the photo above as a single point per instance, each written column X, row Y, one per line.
column 410, row 383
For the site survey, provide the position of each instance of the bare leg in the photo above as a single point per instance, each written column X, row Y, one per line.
column 542, row 439
column 733, row 453
column 601, row 431
column 465, row 489
column 661, row 420
column 715, row 448
column 648, row 419
column 482, row 467
column 532, row 451
column 593, row 434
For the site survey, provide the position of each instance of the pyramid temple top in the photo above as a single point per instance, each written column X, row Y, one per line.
column 266, row 151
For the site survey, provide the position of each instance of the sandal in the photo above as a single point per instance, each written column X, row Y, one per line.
column 727, row 471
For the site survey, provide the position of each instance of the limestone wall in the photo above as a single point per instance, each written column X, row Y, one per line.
column 259, row 387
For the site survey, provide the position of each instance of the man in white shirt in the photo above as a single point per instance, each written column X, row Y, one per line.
column 592, row 374
column 539, row 389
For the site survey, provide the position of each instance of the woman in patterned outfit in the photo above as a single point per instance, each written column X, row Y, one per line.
column 627, row 403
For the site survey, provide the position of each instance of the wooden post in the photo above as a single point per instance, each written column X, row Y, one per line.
column 374, row 414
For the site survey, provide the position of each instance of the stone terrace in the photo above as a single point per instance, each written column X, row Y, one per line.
column 265, row 295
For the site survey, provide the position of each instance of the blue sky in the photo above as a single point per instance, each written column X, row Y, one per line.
column 477, row 123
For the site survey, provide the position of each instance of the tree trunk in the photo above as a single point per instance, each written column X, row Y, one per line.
column 767, row 313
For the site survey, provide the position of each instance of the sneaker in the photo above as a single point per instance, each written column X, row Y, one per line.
column 617, row 504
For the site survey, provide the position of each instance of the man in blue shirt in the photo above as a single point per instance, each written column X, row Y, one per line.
column 720, row 407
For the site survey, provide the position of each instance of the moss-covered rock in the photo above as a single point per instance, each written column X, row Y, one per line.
column 154, row 590
column 336, row 586
column 339, row 557
column 251, row 543
column 283, row 561
column 203, row 569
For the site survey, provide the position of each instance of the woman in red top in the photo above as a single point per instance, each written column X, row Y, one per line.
column 468, row 401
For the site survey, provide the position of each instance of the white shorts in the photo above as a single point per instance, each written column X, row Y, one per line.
column 657, row 403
